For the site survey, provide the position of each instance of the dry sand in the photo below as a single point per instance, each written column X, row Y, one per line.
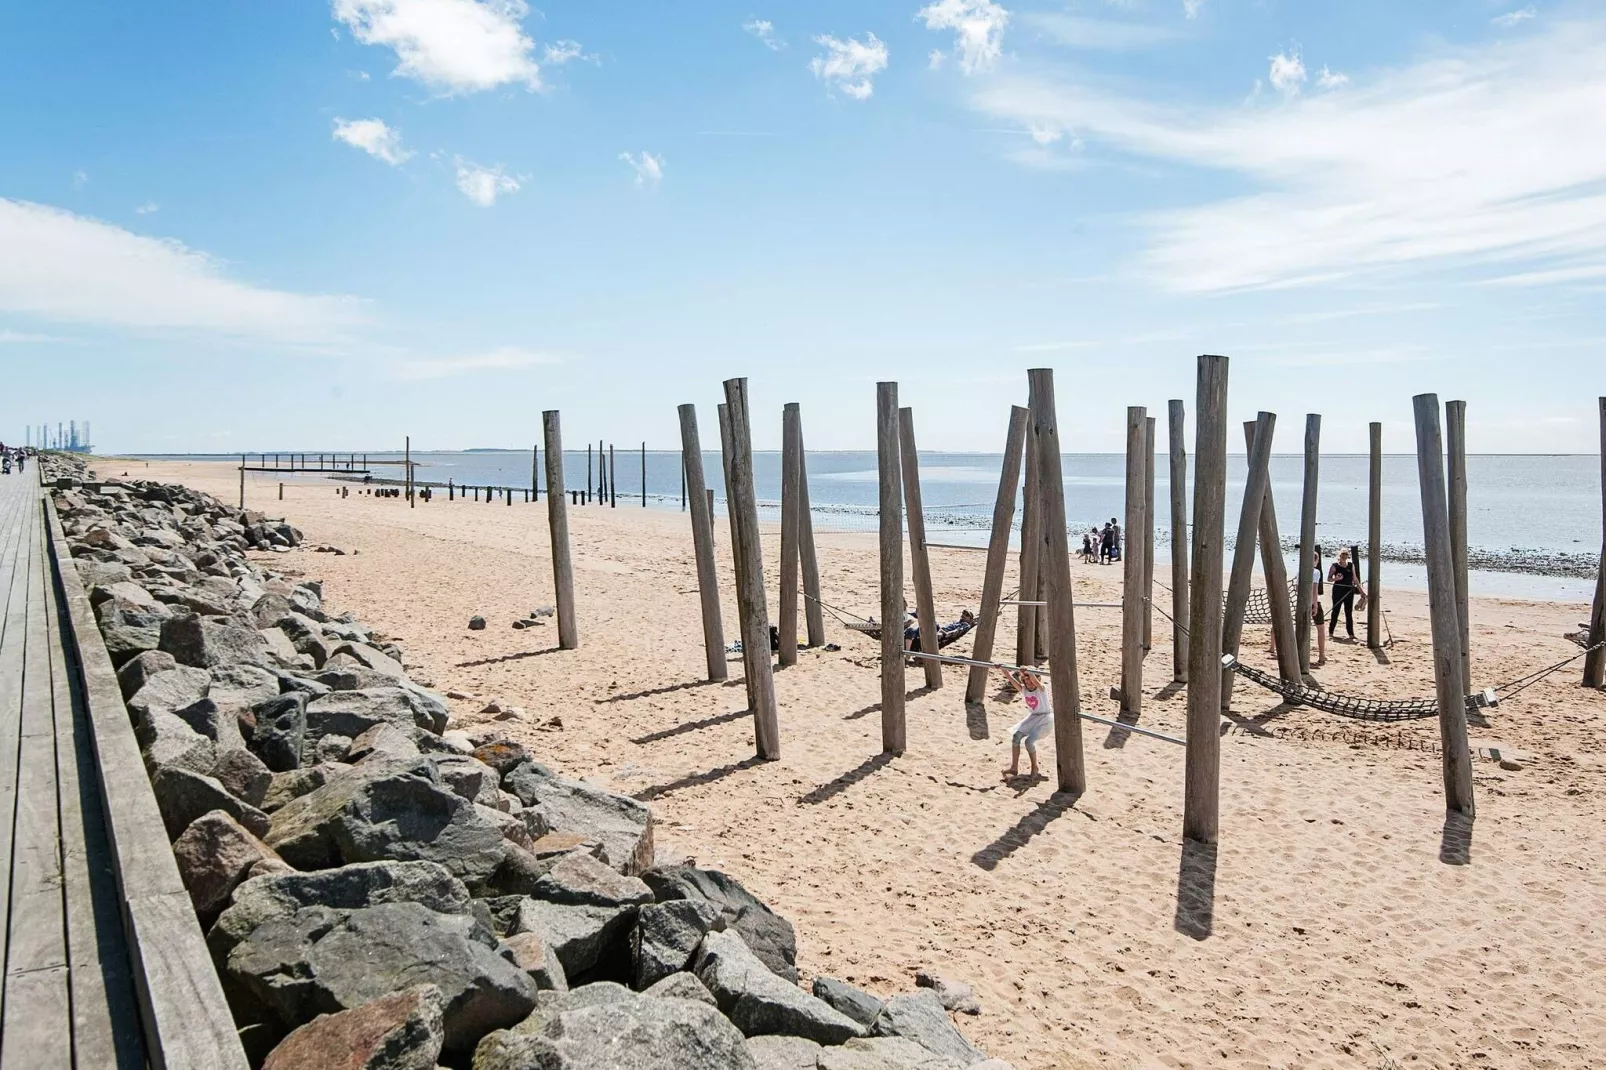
column 1344, row 927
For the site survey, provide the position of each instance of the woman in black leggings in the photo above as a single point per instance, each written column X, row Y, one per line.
column 1342, row 577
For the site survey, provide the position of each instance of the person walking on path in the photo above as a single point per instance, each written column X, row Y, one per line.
column 1031, row 728
column 1342, row 577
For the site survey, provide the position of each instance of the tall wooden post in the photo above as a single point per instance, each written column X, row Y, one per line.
column 1201, row 807
column 1177, row 421
column 242, row 481
column 613, row 480
column 411, row 504
column 1148, row 534
column 1243, row 554
column 1137, row 418
column 1303, row 605
column 644, row 475
column 702, row 537
column 1455, row 420
column 813, row 612
column 1374, row 539
column 751, row 602
column 1031, row 546
column 1275, row 570
column 919, row 558
column 1067, row 696
column 535, row 470
column 992, row 587
column 1451, row 686
column 725, row 450
column 790, row 527
column 894, row 730
column 557, row 515
column 1595, row 662
column 588, row 472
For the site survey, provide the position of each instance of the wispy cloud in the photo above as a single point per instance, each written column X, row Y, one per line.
column 1191, row 8
column 483, row 185
column 1469, row 157
column 504, row 358
column 1331, row 79
column 649, row 168
column 764, row 30
column 374, row 137
column 978, row 27
column 1099, row 35
column 70, row 268
column 560, row 52
column 1287, row 72
column 1511, row 18
column 452, row 46
column 850, row 65
column 148, row 208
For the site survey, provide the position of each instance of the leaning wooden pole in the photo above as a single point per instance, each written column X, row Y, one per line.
column 1305, row 592
column 751, row 603
column 919, row 558
column 1451, row 685
column 1455, row 428
column 557, row 514
column 1201, row 806
column 1067, row 696
column 992, row 586
column 813, row 611
column 1148, row 534
column 1595, row 662
column 725, row 451
column 1275, row 571
column 1031, row 546
column 894, row 731
column 1177, row 421
column 1132, row 604
column 1374, row 538
column 1243, row 553
column 702, row 537
column 790, row 527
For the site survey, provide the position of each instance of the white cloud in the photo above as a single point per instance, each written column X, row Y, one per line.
column 483, row 185
column 935, row 59
column 850, row 65
column 764, row 30
column 503, row 358
column 64, row 267
column 1490, row 158
column 1331, row 79
column 1511, row 18
column 649, row 168
column 1191, row 8
column 453, row 46
column 148, row 208
column 978, row 27
column 1287, row 73
column 1044, row 135
column 374, row 137
column 1100, row 35
column 560, row 52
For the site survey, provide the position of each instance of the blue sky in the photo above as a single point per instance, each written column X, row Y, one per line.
column 243, row 224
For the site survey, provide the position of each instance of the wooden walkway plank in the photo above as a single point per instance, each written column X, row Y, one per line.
column 13, row 649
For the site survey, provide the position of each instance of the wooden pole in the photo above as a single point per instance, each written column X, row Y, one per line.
column 1177, row 414
column 919, row 559
column 683, row 489
column 242, row 481
column 1455, row 421
column 1201, row 808
column 992, row 587
column 1031, row 540
column 1067, row 697
column 644, row 475
column 557, row 515
column 725, row 451
column 1451, row 685
column 894, row 730
column 411, row 503
column 1243, row 554
column 1374, row 540
column 790, row 526
column 613, row 480
column 588, row 472
column 1137, row 418
column 1595, row 663
column 813, row 612
column 1275, row 570
column 1303, row 605
column 702, row 537
column 1148, row 534
column 535, row 470
column 751, row 604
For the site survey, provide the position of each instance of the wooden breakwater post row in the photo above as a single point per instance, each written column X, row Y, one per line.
column 919, row 558
column 1201, row 811
column 894, row 728
column 751, row 603
column 702, row 528
column 557, row 504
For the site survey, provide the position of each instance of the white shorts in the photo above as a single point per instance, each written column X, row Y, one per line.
column 1031, row 729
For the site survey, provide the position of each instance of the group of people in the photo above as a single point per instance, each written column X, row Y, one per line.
column 1345, row 579
column 1104, row 545
column 12, row 458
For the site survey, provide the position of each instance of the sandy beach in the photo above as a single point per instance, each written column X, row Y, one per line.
column 1338, row 923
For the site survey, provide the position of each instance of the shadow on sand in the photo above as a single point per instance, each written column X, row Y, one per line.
column 1196, row 890
column 1021, row 832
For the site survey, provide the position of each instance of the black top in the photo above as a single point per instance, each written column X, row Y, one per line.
column 1343, row 575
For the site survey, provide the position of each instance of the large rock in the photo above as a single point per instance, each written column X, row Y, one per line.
column 531, row 954
column 682, row 986
column 165, row 739
column 138, row 670
column 291, row 784
column 371, row 657
column 920, row 1017
column 765, row 932
column 590, row 941
column 101, row 573
column 401, row 1031
column 408, row 817
column 635, row 1034
column 281, row 730
column 269, row 610
column 759, row 1002
column 351, row 713
column 302, row 830
column 856, row 1003
column 621, row 824
column 783, row 1053
column 129, row 630
column 321, row 960
column 469, row 777
column 169, row 690
column 667, row 935
column 240, row 687
column 383, row 739
column 883, row 1053
column 579, row 878
column 243, row 775
column 214, row 722
column 214, row 854
column 183, row 796
column 203, row 643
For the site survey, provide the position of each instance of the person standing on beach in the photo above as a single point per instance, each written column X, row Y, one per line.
column 1316, row 608
column 1031, row 728
column 1115, row 540
column 1342, row 577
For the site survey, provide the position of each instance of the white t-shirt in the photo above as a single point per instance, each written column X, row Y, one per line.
column 1037, row 703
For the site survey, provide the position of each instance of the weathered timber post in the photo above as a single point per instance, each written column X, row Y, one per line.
column 1132, row 564
column 790, row 526
column 1276, row 573
column 702, row 536
column 1031, row 546
column 1455, row 420
column 919, row 558
column 1067, row 696
column 1243, row 553
column 1179, row 541
column 613, row 480
column 813, row 612
column 281, row 492
column 1303, row 605
column 1374, row 539
column 644, row 475
column 1201, row 807
column 535, row 469
column 1451, row 686
column 242, row 481
column 1595, row 662
column 557, row 514
column 1148, row 534
column 751, row 603
column 451, row 491
column 411, row 504
column 894, row 730
column 725, row 451
column 992, row 587
column 587, row 494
